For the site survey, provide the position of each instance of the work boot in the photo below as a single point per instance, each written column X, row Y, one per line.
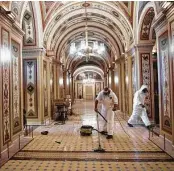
column 104, row 132
column 130, row 125
column 109, row 137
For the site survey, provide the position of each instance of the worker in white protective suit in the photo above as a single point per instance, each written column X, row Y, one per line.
column 139, row 109
column 109, row 104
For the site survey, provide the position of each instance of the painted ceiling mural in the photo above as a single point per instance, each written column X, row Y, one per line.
column 110, row 23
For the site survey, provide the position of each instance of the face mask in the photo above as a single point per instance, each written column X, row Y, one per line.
column 145, row 91
column 106, row 93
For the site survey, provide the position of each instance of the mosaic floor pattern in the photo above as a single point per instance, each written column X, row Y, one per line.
column 64, row 149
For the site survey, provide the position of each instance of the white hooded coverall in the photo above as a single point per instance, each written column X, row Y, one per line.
column 108, row 102
column 138, row 110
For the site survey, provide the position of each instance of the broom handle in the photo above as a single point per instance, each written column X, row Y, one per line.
column 98, row 129
column 102, row 116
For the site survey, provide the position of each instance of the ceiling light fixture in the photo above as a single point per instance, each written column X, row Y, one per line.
column 84, row 48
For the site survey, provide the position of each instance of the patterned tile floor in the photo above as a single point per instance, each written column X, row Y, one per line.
column 64, row 149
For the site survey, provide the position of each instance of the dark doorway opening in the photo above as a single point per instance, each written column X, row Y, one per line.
column 156, row 92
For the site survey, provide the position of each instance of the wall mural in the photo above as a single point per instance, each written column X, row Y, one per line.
column 146, row 79
column 5, row 88
column 16, row 114
column 30, row 87
column 165, row 84
column 28, row 26
column 45, row 88
column 80, row 90
column 88, row 75
column 146, row 25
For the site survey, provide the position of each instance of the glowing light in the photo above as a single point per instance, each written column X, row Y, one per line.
column 5, row 54
column 88, row 81
column 72, row 48
column 61, row 81
column 116, row 79
column 51, row 81
column 101, row 48
column 127, row 79
column 95, row 45
column 67, row 81
column 109, row 79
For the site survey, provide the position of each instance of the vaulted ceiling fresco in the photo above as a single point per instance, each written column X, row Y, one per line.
column 63, row 24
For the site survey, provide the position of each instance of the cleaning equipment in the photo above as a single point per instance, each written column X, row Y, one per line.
column 86, row 130
column 99, row 149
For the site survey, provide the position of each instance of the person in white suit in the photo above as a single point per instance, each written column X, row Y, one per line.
column 139, row 109
column 109, row 104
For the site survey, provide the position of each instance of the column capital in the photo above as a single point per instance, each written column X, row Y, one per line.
column 144, row 46
column 34, row 52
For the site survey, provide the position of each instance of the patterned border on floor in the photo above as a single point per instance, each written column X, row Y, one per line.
column 123, row 156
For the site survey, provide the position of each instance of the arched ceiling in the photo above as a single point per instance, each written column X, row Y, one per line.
column 88, row 68
column 108, row 22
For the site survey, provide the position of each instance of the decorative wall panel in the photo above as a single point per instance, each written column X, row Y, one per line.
column 16, row 110
column 30, row 87
column 165, row 82
column 16, row 8
column 79, row 90
column 133, row 76
column 52, row 81
column 5, row 52
column 146, row 79
column 97, row 88
column 28, row 26
column 126, row 87
column 45, row 89
column 172, row 54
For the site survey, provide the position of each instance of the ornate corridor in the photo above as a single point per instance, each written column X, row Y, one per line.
column 66, row 52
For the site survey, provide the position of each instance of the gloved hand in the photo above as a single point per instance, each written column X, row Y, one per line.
column 95, row 109
column 142, row 105
column 114, row 109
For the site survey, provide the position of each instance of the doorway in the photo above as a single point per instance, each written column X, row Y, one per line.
column 89, row 93
column 156, row 92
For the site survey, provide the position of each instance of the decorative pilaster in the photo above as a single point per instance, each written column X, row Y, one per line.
column 163, row 27
column 33, row 67
column 145, row 73
column 11, row 120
